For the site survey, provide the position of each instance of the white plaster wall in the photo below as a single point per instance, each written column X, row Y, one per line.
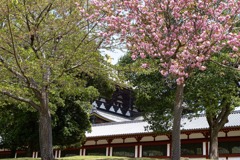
column 130, row 140
column 196, row 135
column 183, row 136
column 233, row 133
column 161, row 138
column 233, row 158
column 119, row 140
column 5, row 150
column 221, row 134
column 89, row 143
column 147, row 138
column 102, row 142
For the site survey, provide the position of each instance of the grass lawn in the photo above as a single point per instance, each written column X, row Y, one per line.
column 103, row 158
column 88, row 158
column 95, row 158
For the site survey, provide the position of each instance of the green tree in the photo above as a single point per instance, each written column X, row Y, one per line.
column 150, row 87
column 70, row 122
column 19, row 129
column 43, row 46
column 217, row 93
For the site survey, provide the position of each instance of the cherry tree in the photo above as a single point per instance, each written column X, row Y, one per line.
column 179, row 34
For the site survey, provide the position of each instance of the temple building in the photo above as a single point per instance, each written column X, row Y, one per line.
column 119, row 134
column 118, row 129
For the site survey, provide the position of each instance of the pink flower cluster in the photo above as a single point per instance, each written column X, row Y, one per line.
column 180, row 34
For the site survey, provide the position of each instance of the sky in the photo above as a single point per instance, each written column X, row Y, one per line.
column 115, row 54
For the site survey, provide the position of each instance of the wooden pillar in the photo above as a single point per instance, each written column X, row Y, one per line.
column 226, row 133
column 207, row 149
column 140, row 151
column 56, row 154
column 84, row 152
column 138, row 147
column 169, row 146
column 204, row 148
column 59, row 153
column 109, row 152
column 35, row 155
column 136, row 151
column 169, row 149
column 80, row 152
column 206, row 135
column 123, row 140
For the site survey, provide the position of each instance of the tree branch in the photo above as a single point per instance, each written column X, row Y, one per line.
column 225, row 66
column 32, row 85
column 28, row 101
column 15, row 54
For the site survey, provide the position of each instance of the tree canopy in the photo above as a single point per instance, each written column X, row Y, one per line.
column 44, row 47
column 181, row 35
column 214, row 92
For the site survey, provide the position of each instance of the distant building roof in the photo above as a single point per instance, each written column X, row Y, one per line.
column 118, row 128
column 138, row 126
column 201, row 122
column 111, row 116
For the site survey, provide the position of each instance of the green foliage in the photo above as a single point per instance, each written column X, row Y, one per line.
column 44, row 47
column 154, row 93
column 155, row 99
column 208, row 91
column 70, row 122
column 19, row 127
column 213, row 90
column 45, row 44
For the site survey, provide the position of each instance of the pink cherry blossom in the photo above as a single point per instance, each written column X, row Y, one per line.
column 183, row 33
column 144, row 65
column 142, row 55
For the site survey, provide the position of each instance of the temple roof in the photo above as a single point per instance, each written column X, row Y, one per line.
column 200, row 122
column 110, row 116
column 117, row 128
column 138, row 126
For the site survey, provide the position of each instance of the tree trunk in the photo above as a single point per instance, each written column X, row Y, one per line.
column 45, row 135
column 177, row 113
column 213, row 143
column 45, row 130
column 216, row 123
